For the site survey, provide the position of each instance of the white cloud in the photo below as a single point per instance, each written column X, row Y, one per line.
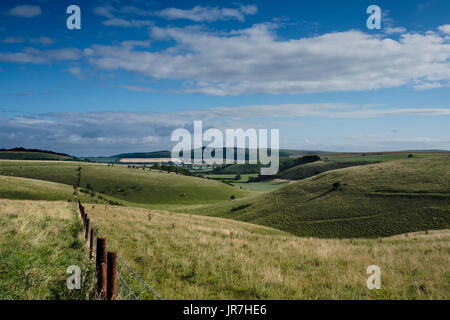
column 42, row 40
column 105, row 133
column 392, row 30
column 136, row 88
column 445, row 28
column 25, row 11
column 35, row 56
column 13, row 40
column 117, row 22
column 430, row 85
column 77, row 72
column 113, row 21
column 208, row 14
column 255, row 60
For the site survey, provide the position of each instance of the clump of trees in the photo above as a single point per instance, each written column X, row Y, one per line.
column 173, row 168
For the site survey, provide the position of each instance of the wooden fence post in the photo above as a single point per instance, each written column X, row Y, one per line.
column 112, row 275
column 101, row 266
column 91, row 243
column 86, row 235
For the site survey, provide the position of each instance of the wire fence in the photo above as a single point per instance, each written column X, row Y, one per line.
column 126, row 275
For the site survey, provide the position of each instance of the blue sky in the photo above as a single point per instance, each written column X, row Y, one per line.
column 137, row 70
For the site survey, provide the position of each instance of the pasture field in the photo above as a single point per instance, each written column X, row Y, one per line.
column 364, row 201
column 186, row 256
column 26, row 155
column 128, row 185
column 38, row 241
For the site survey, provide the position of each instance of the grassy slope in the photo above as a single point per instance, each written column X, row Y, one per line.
column 24, row 155
column 38, row 241
column 374, row 200
column 31, row 189
column 131, row 185
column 311, row 169
column 193, row 257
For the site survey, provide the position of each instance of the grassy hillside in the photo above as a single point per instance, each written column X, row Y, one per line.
column 365, row 201
column 38, row 241
column 31, row 189
column 131, row 185
column 26, row 155
column 311, row 169
column 193, row 257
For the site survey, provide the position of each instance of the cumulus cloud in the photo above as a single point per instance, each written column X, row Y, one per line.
column 445, row 28
column 255, row 60
column 103, row 133
column 208, row 14
column 25, row 11
column 35, row 56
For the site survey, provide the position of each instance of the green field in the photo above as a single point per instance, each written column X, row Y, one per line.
column 129, row 185
column 24, row 155
column 369, row 201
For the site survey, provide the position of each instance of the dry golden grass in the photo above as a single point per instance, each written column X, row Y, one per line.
column 196, row 257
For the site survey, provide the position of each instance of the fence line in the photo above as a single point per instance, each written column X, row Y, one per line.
column 127, row 288
column 140, row 279
column 107, row 268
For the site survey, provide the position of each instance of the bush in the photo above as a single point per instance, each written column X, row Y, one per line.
column 336, row 185
column 233, row 197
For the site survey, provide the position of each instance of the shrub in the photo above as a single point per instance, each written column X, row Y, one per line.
column 233, row 197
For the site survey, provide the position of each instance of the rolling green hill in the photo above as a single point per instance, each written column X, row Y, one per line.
column 27, row 155
column 364, row 201
column 127, row 184
column 307, row 170
column 31, row 189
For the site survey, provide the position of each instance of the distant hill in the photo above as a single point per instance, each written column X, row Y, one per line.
column 32, row 154
column 167, row 154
